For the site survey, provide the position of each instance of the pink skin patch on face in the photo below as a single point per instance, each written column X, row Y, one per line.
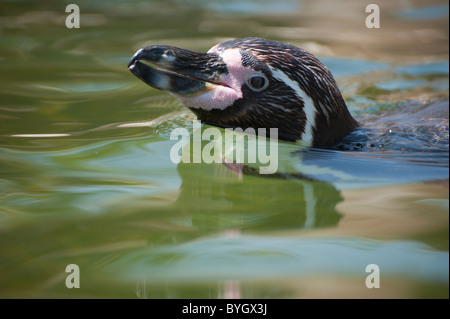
column 220, row 96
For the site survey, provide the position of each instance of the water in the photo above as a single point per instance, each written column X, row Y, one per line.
column 86, row 178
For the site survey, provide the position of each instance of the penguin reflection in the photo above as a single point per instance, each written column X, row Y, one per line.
column 224, row 196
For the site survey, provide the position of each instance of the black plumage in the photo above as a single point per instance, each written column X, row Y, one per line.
column 293, row 75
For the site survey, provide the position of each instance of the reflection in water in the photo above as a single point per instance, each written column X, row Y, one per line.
column 141, row 289
column 231, row 290
column 213, row 197
column 257, row 258
column 216, row 197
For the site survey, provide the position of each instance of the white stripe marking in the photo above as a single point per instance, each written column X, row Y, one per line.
column 309, row 107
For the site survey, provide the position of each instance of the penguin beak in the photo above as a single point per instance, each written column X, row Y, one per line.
column 179, row 71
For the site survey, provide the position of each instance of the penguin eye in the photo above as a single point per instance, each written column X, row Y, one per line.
column 258, row 82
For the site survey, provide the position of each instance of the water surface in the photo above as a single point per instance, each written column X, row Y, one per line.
column 86, row 177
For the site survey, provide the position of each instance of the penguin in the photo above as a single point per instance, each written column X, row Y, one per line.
column 252, row 83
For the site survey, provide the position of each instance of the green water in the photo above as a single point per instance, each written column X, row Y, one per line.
column 86, row 177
